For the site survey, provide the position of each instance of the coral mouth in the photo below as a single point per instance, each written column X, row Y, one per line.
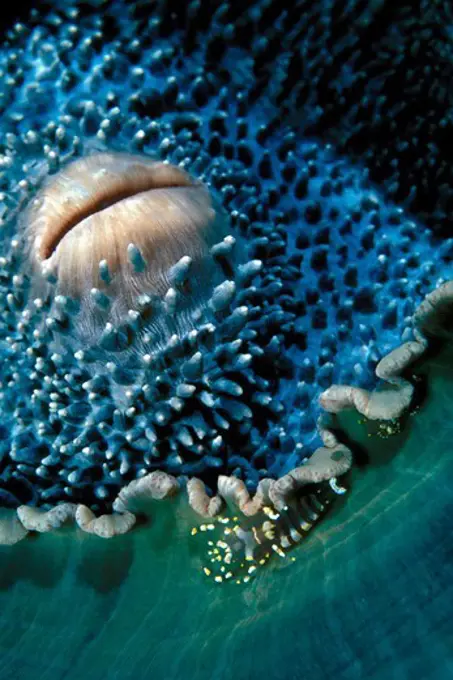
column 94, row 184
column 107, row 232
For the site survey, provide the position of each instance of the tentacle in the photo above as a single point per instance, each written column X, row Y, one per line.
column 35, row 519
column 157, row 486
column 386, row 402
column 105, row 526
column 11, row 528
column 199, row 500
column 234, row 489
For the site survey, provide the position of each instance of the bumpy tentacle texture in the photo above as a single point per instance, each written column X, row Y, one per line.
column 155, row 486
column 200, row 501
column 234, row 490
column 316, row 272
column 42, row 521
column 105, row 526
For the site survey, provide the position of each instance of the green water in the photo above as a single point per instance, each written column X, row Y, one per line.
column 369, row 596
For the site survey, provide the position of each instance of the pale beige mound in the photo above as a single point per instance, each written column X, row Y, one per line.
column 434, row 317
column 234, row 489
column 111, row 207
column 199, row 500
column 34, row 519
column 11, row 529
column 156, row 486
column 105, row 526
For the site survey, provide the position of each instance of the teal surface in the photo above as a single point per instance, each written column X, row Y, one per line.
column 369, row 596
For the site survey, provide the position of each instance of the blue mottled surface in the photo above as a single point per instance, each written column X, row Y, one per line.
column 344, row 265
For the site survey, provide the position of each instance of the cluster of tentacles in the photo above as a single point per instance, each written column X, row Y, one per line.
column 128, row 374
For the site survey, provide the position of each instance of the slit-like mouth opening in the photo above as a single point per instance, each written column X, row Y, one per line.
column 106, row 199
